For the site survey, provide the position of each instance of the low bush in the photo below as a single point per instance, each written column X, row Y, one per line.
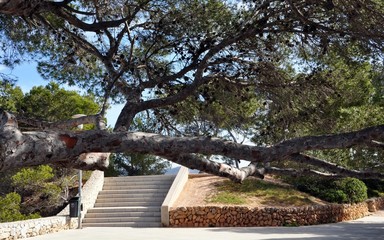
column 333, row 195
column 375, row 187
column 346, row 190
column 355, row 189
column 10, row 209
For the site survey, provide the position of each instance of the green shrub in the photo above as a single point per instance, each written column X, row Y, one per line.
column 347, row 190
column 32, row 178
column 10, row 209
column 372, row 193
column 354, row 188
column 38, row 186
column 333, row 195
column 375, row 187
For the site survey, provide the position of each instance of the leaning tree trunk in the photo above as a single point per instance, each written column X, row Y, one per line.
column 88, row 149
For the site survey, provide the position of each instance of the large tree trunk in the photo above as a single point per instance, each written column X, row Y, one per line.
column 72, row 149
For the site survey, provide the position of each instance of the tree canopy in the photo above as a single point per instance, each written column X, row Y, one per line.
column 301, row 78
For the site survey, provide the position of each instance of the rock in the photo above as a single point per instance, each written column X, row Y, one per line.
column 4, row 235
column 181, row 216
column 371, row 206
column 200, row 212
column 244, row 216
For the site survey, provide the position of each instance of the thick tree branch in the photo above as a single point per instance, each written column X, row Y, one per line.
column 334, row 169
column 365, row 137
column 19, row 7
column 296, row 173
column 70, row 9
column 70, row 149
column 28, row 8
column 131, row 109
column 81, row 42
column 94, row 27
column 220, row 169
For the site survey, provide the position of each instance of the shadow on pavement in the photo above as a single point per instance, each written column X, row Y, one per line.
column 347, row 230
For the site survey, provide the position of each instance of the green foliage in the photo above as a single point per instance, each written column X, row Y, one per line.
column 375, row 187
column 43, row 189
column 335, row 97
column 346, row 190
column 53, row 103
column 136, row 164
column 38, row 185
column 32, row 178
column 217, row 106
column 342, row 94
column 333, row 195
column 10, row 209
column 10, row 96
column 355, row 189
column 26, row 43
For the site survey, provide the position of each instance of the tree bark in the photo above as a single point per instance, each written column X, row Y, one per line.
column 220, row 169
column 19, row 7
column 89, row 149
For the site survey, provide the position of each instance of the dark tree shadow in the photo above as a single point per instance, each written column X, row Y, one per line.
column 347, row 230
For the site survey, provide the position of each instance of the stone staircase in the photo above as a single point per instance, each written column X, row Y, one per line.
column 129, row 202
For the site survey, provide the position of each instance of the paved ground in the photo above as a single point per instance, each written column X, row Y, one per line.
column 371, row 227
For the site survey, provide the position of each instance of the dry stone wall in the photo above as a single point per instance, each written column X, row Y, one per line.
column 236, row 216
column 35, row 227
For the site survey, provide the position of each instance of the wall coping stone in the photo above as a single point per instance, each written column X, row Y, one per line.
column 173, row 193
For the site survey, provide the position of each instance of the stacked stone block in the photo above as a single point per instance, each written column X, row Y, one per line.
column 239, row 216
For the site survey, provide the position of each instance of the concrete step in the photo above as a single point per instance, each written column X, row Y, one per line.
column 136, row 186
column 153, row 178
column 118, row 200
column 131, row 224
column 131, row 199
column 122, row 214
column 122, row 219
column 138, row 181
column 123, row 209
column 129, row 204
column 133, row 191
column 133, row 195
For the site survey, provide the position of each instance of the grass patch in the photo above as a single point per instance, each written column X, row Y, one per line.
column 228, row 198
column 266, row 193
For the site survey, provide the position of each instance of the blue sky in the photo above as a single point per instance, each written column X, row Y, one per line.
column 28, row 77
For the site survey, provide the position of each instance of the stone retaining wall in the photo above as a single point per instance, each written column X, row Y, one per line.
column 235, row 216
column 35, row 227
column 40, row 226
